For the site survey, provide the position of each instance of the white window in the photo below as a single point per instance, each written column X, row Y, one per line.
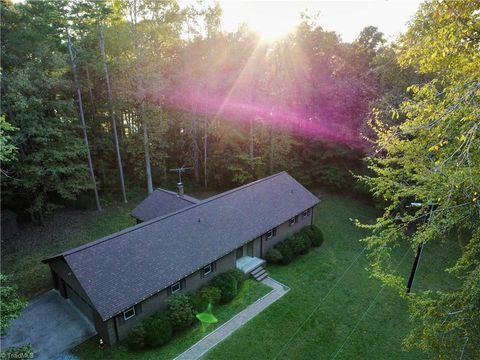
column 306, row 213
column 129, row 313
column 176, row 287
column 207, row 269
column 271, row 233
column 292, row 221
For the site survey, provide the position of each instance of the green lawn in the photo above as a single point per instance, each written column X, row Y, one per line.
column 324, row 316
column 250, row 292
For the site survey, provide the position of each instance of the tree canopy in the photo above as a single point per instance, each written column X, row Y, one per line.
column 432, row 158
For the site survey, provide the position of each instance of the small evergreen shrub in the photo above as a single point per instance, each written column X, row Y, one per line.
column 274, row 256
column 136, row 338
column 315, row 235
column 209, row 295
column 154, row 331
column 198, row 305
column 158, row 330
column 180, row 311
column 286, row 251
column 238, row 275
column 228, row 285
column 298, row 243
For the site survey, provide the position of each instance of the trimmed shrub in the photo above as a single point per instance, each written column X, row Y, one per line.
column 286, row 251
column 315, row 235
column 298, row 244
column 180, row 311
column 198, row 304
column 209, row 295
column 274, row 256
column 158, row 330
column 136, row 338
column 152, row 332
column 228, row 286
column 238, row 275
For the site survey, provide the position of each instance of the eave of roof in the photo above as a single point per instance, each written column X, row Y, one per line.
column 224, row 243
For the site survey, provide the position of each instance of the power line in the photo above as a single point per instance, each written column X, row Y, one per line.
column 366, row 311
column 318, row 306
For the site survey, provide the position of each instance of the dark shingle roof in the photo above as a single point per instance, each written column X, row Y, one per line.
column 161, row 202
column 127, row 267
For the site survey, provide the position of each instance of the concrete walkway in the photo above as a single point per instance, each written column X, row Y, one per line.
column 225, row 330
column 51, row 324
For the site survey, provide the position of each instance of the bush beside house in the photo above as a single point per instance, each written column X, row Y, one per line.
column 154, row 331
column 229, row 284
column 298, row 244
column 157, row 330
column 181, row 311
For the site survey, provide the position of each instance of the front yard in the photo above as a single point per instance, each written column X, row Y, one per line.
column 250, row 292
column 334, row 309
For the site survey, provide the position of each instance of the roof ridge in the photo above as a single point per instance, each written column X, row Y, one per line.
column 152, row 221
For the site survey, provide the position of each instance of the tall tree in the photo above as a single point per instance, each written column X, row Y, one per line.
column 101, row 40
column 82, row 119
column 433, row 158
column 37, row 100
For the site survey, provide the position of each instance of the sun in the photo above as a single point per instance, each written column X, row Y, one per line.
column 271, row 28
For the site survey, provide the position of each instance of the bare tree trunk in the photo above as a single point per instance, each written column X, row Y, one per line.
column 82, row 121
column 272, row 150
column 148, row 169
column 90, row 93
column 205, row 153
column 196, row 148
column 112, row 113
column 250, row 139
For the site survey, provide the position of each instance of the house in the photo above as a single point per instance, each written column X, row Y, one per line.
column 162, row 202
column 118, row 280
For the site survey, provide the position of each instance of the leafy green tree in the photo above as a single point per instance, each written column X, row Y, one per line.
column 433, row 157
column 12, row 305
column 8, row 150
column 37, row 99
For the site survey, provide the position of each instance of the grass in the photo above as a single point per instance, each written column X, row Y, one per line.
column 250, row 292
column 334, row 310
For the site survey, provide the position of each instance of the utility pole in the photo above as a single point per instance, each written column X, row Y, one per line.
column 82, row 120
column 419, row 248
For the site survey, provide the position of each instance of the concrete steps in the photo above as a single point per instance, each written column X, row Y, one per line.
column 259, row 273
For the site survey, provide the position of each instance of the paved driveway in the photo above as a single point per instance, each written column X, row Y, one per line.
column 51, row 324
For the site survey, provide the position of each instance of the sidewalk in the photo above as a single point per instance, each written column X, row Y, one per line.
column 225, row 330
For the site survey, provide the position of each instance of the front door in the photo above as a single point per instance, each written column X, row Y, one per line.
column 250, row 248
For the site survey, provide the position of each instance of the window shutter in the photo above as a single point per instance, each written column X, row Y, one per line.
column 275, row 231
column 169, row 290
column 183, row 284
column 214, row 266
column 138, row 309
column 202, row 275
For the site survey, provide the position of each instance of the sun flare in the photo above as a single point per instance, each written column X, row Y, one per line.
column 272, row 27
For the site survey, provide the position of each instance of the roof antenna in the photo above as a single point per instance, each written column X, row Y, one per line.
column 180, row 170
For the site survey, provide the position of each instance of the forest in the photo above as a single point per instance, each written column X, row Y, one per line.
column 100, row 99
column 151, row 86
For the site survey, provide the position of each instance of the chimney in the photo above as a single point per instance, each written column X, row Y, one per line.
column 180, row 189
